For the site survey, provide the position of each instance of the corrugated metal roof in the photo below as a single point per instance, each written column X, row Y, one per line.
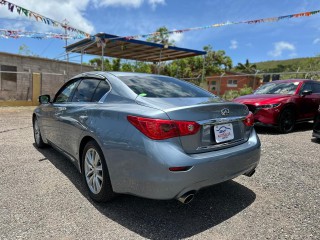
column 120, row 47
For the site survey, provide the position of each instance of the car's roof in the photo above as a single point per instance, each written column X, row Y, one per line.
column 115, row 73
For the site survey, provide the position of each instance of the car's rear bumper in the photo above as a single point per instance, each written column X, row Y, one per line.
column 150, row 176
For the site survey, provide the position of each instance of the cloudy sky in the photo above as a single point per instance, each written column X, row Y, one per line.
column 285, row 39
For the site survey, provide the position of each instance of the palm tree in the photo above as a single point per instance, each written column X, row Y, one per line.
column 247, row 67
column 162, row 37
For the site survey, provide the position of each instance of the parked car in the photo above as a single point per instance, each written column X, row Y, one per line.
column 283, row 103
column 316, row 126
column 148, row 135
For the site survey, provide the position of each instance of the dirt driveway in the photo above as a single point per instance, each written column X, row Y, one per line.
column 42, row 196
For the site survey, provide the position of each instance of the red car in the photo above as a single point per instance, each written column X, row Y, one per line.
column 283, row 103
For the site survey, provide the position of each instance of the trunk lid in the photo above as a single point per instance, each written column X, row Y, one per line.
column 213, row 114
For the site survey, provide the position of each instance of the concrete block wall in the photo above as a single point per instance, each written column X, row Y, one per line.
column 53, row 75
column 51, row 83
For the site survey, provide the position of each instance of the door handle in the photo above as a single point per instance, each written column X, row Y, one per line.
column 83, row 118
column 58, row 110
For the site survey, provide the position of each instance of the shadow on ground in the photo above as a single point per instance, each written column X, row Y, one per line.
column 300, row 127
column 164, row 219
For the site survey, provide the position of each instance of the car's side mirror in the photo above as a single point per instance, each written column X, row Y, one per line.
column 306, row 92
column 44, row 99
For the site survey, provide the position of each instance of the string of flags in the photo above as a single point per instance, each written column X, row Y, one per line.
column 78, row 34
column 40, row 18
column 5, row 33
column 257, row 21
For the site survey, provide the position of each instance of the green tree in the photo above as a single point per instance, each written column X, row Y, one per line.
column 96, row 63
column 116, row 64
column 142, row 67
column 247, row 67
column 127, row 67
column 216, row 61
column 161, row 37
column 25, row 50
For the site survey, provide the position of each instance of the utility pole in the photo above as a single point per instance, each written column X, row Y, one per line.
column 65, row 25
column 297, row 72
column 254, row 79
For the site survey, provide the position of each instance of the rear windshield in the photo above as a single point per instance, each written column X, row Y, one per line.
column 278, row 88
column 162, row 87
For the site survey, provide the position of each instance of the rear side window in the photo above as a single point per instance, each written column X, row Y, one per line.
column 101, row 90
column 85, row 90
column 316, row 88
column 162, row 87
column 306, row 87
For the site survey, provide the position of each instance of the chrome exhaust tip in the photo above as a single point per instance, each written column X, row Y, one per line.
column 187, row 197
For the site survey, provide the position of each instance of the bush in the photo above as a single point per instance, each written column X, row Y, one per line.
column 230, row 95
column 245, row 90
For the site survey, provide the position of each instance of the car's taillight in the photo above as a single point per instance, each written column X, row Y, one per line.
column 249, row 121
column 159, row 129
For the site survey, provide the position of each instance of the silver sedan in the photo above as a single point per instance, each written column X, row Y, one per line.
column 147, row 135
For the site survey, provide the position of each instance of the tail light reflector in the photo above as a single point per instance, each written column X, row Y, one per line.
column 179, row 169
column 249, row 121
column 159, row 129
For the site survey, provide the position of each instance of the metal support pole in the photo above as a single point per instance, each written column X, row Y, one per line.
column 254, row 79
column 102, row 58
column 298, row 72
column 218, row 92
column 160, row 61
column 81, row 58
column 203, row 67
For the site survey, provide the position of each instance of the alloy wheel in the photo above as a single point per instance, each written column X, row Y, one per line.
column 287, row 121
column 37, row 135
column 93, row 170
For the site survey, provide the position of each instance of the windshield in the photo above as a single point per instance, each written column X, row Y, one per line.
column 278, row 88
column 163, row 87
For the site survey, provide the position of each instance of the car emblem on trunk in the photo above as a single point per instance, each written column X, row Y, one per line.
column 225, row 111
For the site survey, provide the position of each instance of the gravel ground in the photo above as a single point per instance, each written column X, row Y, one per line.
column 42, row 196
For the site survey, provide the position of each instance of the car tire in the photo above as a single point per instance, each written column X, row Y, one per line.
column 37, row 134
column 286, row 121
column 95, row 173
